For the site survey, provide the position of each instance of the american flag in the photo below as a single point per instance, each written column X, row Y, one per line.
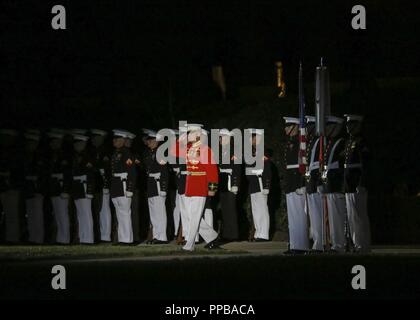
column 302, row 161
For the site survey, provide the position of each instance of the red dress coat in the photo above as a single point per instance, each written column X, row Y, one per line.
column 202, row 170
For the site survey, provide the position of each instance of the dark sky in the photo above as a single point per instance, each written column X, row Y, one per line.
column 114, row 47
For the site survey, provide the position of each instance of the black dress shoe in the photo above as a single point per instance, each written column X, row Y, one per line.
column 212, row 245
column 156, row 241
column 313, row 252
column 294, row 252
column 261, row 240
column 125, row 244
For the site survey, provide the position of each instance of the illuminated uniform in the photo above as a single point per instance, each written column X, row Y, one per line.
column 259, row 183
column 333, row 182
column 123, row 175
column 313, row 197
column 157, row 187
column 295, row 194
column 201, row 177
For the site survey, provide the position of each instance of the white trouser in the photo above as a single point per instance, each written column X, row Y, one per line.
column 123, row 211
column 10, row 203
column 358, row 219
column 185, row 219
column 337, row 219
column 105, row 218
column 194, row 207
column 85, row 220
column 315, row 217
column 158, row 219
column 35, row 213
column 208, row 217
column 298, row 223
column 177, row 214
column 61, row 213
column 260, row 215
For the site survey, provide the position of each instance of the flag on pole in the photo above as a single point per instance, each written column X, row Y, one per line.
column 302, row 161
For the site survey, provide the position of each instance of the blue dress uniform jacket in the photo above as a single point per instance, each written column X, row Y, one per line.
column 102, row 169
column 334, row 160
column 293, row 179
column 157, row 174
column 228, row 171
column 253, row 179
column 11, row 173
column 36, row 175
column 123, row 172
column 355, row 156
column 83, row 176
column 60, row 178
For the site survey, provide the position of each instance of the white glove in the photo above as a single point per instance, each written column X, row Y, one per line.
column 301, row 191
column 105, row 191
column 320, row 189
column 162, row 193
column 64, row 195
column 234, row 189
column 89, row 196
column 265, row 192
column 128, row 194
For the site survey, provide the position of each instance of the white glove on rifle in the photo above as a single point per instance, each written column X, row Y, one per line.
column 162, row 193
column 234, row 189
column 128, row 194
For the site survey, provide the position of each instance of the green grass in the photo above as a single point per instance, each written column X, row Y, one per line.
column 239, row 277
column 23, row 253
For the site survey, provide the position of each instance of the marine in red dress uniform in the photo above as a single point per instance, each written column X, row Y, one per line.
column 201, row 181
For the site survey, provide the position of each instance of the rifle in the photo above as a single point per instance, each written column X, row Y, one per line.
column 323, row 109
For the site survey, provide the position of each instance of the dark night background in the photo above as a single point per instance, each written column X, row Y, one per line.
column 135, row 64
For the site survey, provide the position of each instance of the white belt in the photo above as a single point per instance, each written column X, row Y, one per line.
column 292, row 166
column 82, row 179
column 226, row 171
column 257, row 172
column 156, row 175
column 122, row 175
column 176, row 170
column 184, row 172
column 333, row 165
column 352, row 165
